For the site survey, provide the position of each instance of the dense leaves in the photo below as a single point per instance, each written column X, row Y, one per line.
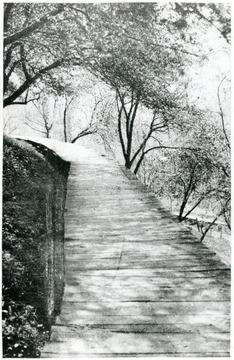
column 23, row 336
column 32, row 214
column 39, row 38
column 194, row 179
column 22, row 224
column 36, row 43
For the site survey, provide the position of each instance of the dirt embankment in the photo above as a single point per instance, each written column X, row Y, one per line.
column 34, row 191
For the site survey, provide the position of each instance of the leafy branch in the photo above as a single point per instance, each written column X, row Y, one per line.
column 32, row 27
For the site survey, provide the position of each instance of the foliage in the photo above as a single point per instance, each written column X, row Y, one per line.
column 216, row 15
column 142, row 70
column 28, row 179
column 40, row 38
column 195, row 178
column 23, row 335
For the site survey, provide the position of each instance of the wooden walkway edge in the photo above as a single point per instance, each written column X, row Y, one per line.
column 138, row 283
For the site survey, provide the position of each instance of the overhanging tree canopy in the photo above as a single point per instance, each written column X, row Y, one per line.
column 145, row 66
column 39, row 38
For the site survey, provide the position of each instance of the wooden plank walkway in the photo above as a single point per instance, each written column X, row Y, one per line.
column 138, row 283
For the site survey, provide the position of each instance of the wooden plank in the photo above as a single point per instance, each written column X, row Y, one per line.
column 123, row 263
column 216, row 320
column 149, row 326
column 102, row 341
column 157, row 282
column 142, row 308
column 149, row 295
column 149, row 273
column 215, row 354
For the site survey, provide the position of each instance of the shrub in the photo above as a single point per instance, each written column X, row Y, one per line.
column 23, row 335
column 34, row 191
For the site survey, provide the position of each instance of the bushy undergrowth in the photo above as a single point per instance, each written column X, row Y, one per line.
column 23, row 335
column 28, row 178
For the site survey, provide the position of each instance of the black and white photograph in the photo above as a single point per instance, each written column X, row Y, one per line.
column 116, row 179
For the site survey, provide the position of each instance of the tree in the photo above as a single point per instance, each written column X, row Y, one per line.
column 39, row 38
column 145, row 63
column 78, row 93
column 142, row 70
column 99, row 119
column 67, row 103
column 43, row 120
column 9, row 126
column 199, row 178
column 22, row 25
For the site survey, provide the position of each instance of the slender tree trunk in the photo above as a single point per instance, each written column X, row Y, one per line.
column 128, row 163
column 213, row 222
column 187, row 194
column 121, row 134
column 65, row 124
column 130, row 115
column 182, row 207
column 227, row 220
column 130, row 133
column 139, row 163
column 209, row 227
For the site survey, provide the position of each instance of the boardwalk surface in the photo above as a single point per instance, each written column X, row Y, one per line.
column 137, row 282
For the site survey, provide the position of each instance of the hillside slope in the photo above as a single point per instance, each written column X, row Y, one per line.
column 34, row 190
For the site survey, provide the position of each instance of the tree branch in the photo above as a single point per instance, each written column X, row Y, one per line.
column 22, row 55
column 121, row 97
column 84, row 132
column 26, row 101
column 210, row 22
column 34, row 26
column 187, row 194
column 171, row 147
column 222, row 114
column 7, row 10
column 174, row 48
column 143, row 144
column 8, row 54
column 211, row 224
column 10, row 99
column 7, row 76
column 33, row 128
column 197, row 203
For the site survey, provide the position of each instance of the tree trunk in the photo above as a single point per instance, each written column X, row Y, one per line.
column 209, row 227
column 128, row 163
column 65, row 123
column 213, row 222
column 187, row 194
column 180, row 216
column 139, row 163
